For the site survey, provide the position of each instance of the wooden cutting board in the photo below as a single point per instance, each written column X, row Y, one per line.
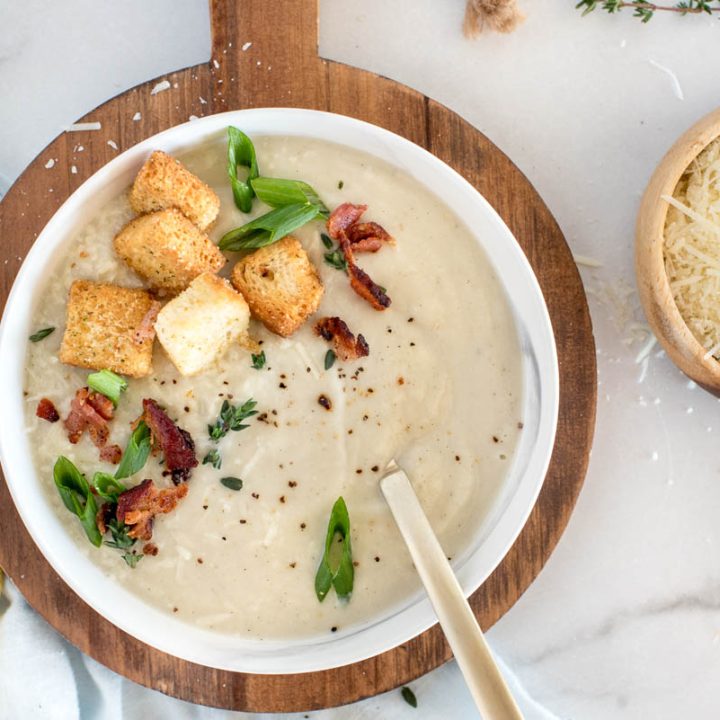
column 282, row 68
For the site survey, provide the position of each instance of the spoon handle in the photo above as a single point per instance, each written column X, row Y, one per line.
column 487, row 686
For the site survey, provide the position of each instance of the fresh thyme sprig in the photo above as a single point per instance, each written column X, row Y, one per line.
column 645, row 10
column 230, row 418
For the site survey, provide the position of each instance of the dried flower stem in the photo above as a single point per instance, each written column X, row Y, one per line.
column 499, row 15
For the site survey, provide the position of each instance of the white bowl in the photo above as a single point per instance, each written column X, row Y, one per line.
column 490, row 543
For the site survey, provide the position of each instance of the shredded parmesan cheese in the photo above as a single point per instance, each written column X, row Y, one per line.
column 80, row 127
column 160, row 87
column 692, row 247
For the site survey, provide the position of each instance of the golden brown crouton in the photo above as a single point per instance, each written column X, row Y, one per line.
column 163, row 182
column 167, row 250
column 280, row 284
column 102, row 321
column 198, row 326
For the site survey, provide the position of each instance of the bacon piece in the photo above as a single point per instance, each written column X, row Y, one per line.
column 89, row 411
column 111, row 454
column 150, row 549
column 346, row 346
column 138, row 506
column 353, row 236
column 367, row 237
column 103, row 517
column 367, row 288
column 342, row 217
column 47, row 410
column 176, row 444
column 146, row 329
column 102, row 405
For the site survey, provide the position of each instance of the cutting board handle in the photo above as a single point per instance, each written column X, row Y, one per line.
column 282, row 55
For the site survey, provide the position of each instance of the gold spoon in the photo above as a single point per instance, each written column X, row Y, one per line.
column 482, row 675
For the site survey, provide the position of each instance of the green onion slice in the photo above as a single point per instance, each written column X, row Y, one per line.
column 107, row 486
column 269, row 228
column 136, row 453
column 341, row 578
column 107, row 383
column 77, row 497
column 241, row 152
column 276, row 193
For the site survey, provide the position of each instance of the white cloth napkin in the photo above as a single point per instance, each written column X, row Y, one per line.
column 43, row 677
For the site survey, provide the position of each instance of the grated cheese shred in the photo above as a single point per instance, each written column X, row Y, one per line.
column 692, row 247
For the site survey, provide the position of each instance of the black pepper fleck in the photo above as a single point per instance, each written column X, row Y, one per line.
column 324, row 401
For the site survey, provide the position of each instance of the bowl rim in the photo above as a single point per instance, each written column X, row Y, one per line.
column 157, row 629
column 654, row 290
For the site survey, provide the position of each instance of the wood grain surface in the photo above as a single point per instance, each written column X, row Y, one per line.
column 284, row 38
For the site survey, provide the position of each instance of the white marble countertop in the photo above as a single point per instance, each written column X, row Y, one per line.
column 624, row 621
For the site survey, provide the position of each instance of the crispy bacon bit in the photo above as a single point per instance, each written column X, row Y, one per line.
column 103, row 517
column 111, row 454
column 367, row 237
column 47, row 411
column 346, row 347
column 146, row 329
column 176, row 444
column 342, row 218
column 343, row 226
column 367, row 288
column 138, row 506
column 89, row 411
column 150, row 549
column 102, row 405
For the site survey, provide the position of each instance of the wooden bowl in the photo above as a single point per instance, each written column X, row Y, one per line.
column 653, row 285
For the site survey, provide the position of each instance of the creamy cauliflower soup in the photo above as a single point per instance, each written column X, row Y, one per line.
column 439, row 390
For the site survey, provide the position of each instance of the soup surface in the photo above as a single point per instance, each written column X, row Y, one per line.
column 440, row 391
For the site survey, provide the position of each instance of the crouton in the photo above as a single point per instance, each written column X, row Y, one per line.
column 280, row 284
column 167, row 250
column 198, row 326
column 163, row 182
column 100, row 333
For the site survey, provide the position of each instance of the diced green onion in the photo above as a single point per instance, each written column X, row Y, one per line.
column 269, row 228
column 342, row 577
column 241, row 152
column 276, row 193
column 77, row 497
column 136, row 453
column 107, row 383
column 107, row 486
